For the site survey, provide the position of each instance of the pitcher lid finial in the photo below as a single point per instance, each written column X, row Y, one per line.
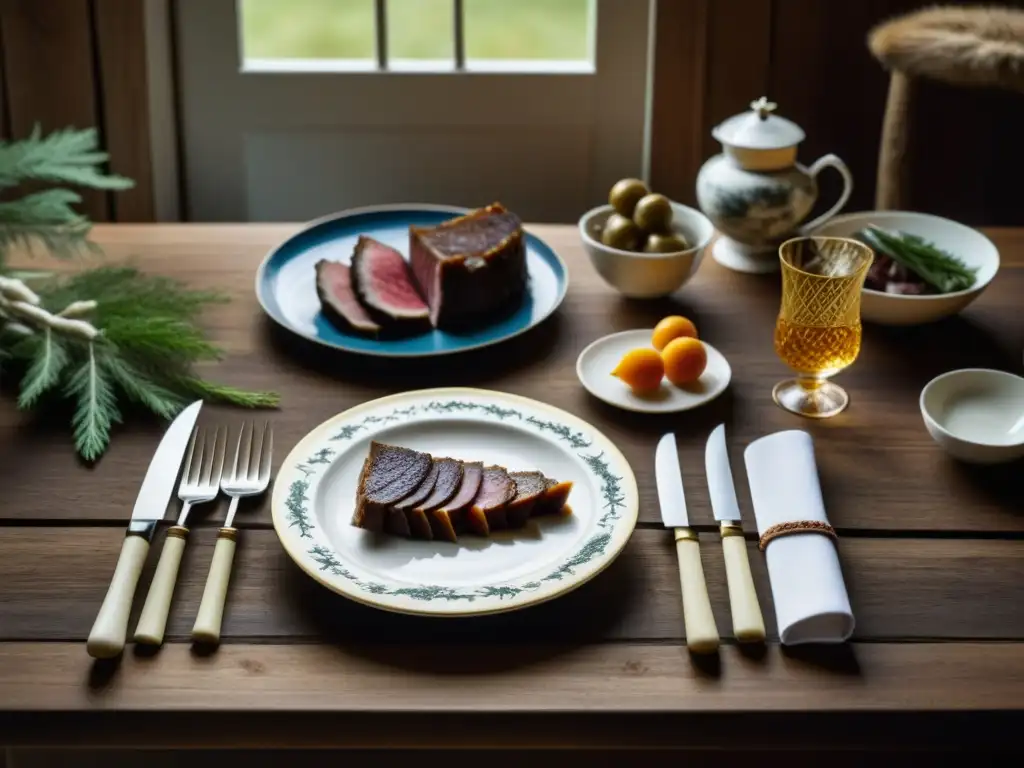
column 760, row 128
column 763, row 107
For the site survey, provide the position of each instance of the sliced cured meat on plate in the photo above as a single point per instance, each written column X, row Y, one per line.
column 454, row 502
column 436, row 301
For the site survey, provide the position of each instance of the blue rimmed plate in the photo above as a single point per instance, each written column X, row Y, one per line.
column 286, row 282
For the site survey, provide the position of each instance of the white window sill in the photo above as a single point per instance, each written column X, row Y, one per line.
column 425, row 66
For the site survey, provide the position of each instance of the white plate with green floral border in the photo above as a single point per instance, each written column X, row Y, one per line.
column 314, row 496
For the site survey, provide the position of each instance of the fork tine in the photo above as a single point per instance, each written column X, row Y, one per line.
column 220, row 448
column 238, row 452
column 208, row 464
column 266, row 456
column 243, row 463
column 252, row 473
column 195, row 470
column 188, row 460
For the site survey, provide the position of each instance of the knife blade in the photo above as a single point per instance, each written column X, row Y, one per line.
column 701, row 630
column 721, row 487
column 106, row 639
column 747, row 621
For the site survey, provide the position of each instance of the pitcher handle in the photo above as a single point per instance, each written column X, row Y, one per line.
column 830, row 161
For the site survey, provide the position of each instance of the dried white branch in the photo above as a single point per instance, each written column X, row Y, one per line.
column 19, row 302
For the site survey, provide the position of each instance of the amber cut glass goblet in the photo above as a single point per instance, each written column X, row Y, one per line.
column 818, row 331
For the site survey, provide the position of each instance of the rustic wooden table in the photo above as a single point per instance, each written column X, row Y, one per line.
column 933, row 554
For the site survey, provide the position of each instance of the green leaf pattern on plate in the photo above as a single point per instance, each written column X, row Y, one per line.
column 327, row 561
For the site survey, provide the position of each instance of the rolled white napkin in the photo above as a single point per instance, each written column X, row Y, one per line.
column 811, row 603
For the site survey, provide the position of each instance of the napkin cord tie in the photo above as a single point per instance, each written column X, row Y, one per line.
column 796, row 526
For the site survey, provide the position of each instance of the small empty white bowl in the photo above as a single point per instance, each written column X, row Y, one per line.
column 967, row 243
column 976, row 414
column 647, row 275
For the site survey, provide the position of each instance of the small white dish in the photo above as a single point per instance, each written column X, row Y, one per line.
column 595, row 364
column 967, row 243
column 647, row 275
column 976, row 414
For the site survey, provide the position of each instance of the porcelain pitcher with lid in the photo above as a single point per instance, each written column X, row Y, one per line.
column 756, row 193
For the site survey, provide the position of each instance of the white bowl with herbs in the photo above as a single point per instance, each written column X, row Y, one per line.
column 643, row 244
column 926, row 267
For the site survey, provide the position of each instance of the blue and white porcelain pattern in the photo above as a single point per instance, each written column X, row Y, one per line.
column 314, row 496
column 755, row 192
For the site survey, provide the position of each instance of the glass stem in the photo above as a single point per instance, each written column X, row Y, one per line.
column 810, row 383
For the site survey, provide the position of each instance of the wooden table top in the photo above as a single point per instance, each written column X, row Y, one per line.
column 932, row 551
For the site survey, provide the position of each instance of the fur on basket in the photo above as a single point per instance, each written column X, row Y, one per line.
column 980, row 46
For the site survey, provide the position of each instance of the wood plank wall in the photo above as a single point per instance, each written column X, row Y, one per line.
column 81, row 63
column 810, row 56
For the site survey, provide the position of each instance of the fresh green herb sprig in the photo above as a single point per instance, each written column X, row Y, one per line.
column 145, row 353
column 108, row 335
column 943, row 271
column 47, row 217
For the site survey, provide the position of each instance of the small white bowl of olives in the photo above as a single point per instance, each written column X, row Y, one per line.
column 643, row 244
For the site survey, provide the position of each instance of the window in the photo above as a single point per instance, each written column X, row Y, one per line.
column 418, row 35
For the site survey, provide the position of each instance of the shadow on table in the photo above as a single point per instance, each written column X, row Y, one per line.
column 603, row 608
column 470, row 368
column 920, row 353
column 698, row 420
column 999, row 482
column 838, row 659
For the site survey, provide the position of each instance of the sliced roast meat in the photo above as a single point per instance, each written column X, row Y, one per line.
column 450, row 518
column 449, row 477
column 408, row 493
column 390, row 473
column 530, row 487
column 397, row 523
column 416, row 521
column 497, row 489
column 338, row 299
column 555, row 495
column 472, row 268
column 383, row 282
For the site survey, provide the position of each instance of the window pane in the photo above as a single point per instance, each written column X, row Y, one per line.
column 420, row 29
column 528, row 29
column 307, row 29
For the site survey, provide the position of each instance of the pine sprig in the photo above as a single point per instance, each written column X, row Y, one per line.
column 49, row 358
column 158, row 339
column 140, row 388
column 48, row 218
column 233, row 395
column 148, row 346
column 96, row 408
column 149, row 339
column 66, row 156
column 120, row 292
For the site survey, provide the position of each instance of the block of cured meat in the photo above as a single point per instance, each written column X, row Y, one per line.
column 472, row 268
column 449, row 478
column 449, row 519
column 497, row 489
column 555, row 495
column 338, row 299
column 416, row 524
column 390, row 473
column 384, row 285
column 530, row 486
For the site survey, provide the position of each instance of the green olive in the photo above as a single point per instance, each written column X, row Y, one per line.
column 653, row 213
column 670, row 243
column 620, row 232
column 625, row 195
